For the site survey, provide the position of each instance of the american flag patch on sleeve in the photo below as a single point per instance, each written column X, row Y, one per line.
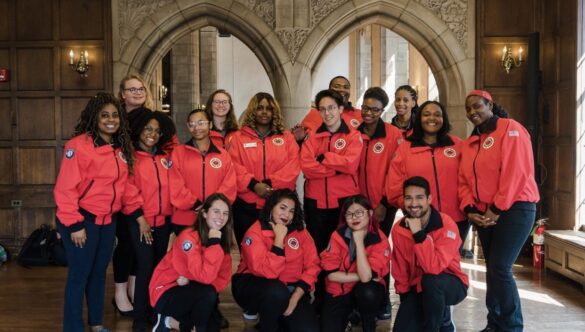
column 514, row 133
column 451, row 235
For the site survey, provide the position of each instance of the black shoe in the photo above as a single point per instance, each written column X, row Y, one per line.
column 489, row 329
column 385, row 313
column 160, row 324
column 220, row 319
column 355, row 318
column 128, row 313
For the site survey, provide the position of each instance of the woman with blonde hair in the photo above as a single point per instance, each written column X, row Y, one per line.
column 266, row 157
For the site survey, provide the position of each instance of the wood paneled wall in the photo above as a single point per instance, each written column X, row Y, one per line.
column 41, row 103
column 504, row 22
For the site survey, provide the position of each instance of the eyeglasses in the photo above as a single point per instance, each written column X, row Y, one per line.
column 373, row 110
column 357, row 214
column 136, row 90
column 149, row 130
column 330, row 109
column 200, row 123
column 221, row 102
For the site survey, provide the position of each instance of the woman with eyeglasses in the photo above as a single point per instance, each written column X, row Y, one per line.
column 221, row 110
column 355, row 261
column 149, row 235
column 405, row 103
column 137, row 101
column 266, row 156
column 380, row 142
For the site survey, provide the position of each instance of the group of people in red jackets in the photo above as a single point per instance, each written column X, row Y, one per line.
column 124, row 172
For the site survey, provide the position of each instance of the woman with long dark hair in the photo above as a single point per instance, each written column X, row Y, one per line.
column 92, row 186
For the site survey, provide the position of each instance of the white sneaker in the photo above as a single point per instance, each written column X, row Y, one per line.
column 250, row 315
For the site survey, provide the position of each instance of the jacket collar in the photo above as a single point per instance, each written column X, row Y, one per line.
column 155, row 151
column 435, row 221
column 491, row 126
column 254, row 133
column 212, row 147
column 441, row 142
column 343, row 128
column 370, row 239
column 98, row 141
column 380, row 131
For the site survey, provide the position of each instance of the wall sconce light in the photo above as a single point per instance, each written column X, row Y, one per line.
column 508, row 59
column 81, row 66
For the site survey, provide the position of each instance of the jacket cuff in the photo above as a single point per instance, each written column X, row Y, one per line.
column 419, row 236
column 268, row 182
column 76, row 227
column 320, row 158
column 303, row 285
column 470, row 209
column 197, row 204
column 252, row 183
column 213, row 241
column 278, row 251
column 495, row 209
column 136, row 214
column 328, row 272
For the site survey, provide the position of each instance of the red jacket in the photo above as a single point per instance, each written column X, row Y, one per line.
column 438, row 165
column 313, row 119
column 295, row 265
column 497, row 168
column 337, row 258
column 151, row 177
column 195, row 176
column 375, row 160
column 218, row 139
column 335, row 176
column 433, row 251
column 273, row 160
column 189, row 258
column 93, row 177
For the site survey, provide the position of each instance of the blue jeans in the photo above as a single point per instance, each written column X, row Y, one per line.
column 87, row 273
column 501, row 246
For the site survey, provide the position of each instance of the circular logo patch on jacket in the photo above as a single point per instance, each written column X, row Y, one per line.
column 248, row 241
column 340, row 144
column 378, row 147
column 354, row 123
column 488, row 143
column 166, row 163
column 69, row 153
column 277, row 141
column 123, row 157
column 215, row 162
column 293, row 243
column 450, row 152
column 187, row 245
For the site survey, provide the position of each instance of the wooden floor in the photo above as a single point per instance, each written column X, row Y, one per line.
column 32, row 300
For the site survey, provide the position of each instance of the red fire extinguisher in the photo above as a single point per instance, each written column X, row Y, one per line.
column 538, row 243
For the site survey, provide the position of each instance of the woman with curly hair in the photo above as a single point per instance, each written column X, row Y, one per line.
column 220, row 108
column 90, row 189
column 266, row 157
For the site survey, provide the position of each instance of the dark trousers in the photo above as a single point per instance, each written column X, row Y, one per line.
column 123, row 261
column 191, row 305
column 463, row 227
column 86, row 275
column 245, row 214
column 501, row 246
column 386, row 227
column 270, row 298
column 365, row 297
column 147, row 257
column 425, row 311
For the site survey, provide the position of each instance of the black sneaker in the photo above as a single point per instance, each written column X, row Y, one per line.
column 220, row 319
column 160, row 325
column 385, row 313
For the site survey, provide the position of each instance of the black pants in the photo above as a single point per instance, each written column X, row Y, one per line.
column 147, row 257
column 245, row 214
column 365, row 297
column 386, row 227
column 123, row 260
column 270, row 298
column 191, row 305
column 463, row 227
column 425, row 311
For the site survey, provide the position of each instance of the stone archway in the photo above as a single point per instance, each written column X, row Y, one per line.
column 290, row 49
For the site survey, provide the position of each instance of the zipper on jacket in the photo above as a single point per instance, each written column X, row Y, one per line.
column 474, row 170
column 203, row 178
column 263, row 158
column 86, row 189
column 366, row 169
column 436, row 178
column 114, row 186
column 326, row 184
column 159, row 190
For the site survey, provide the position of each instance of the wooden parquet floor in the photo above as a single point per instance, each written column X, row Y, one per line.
column 32, row 300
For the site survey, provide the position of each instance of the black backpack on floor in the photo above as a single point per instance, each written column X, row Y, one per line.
column 43, row 247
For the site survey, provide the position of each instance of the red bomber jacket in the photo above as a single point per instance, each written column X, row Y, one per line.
column 439, row 165
column 497, row 168
column 273, row 160
column 189, row 258
column 330, row 163
column 337, row 258
column 93, row 177
column 377, row 153
column 296, row 265
column 433, row 250
column 194, row 176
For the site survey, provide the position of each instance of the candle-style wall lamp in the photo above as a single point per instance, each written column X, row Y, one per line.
column 81, row 66
column 508, row 59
